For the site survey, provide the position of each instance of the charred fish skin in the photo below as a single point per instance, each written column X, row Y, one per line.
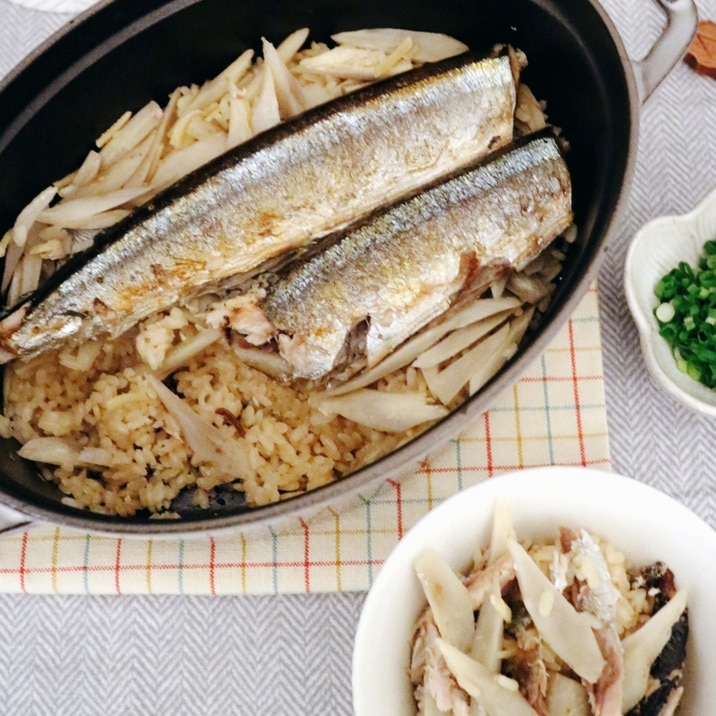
column 404, row 266
column 281, row 189
column 667, row 672
column 666, row 675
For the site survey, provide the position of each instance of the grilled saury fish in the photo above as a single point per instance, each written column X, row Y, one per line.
column 404, row 266
column 274, row 193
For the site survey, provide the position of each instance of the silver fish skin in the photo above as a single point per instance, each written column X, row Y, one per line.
column 405, row 266
column 281, row 189
column 599, row 596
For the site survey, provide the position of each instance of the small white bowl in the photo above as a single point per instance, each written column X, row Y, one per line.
column 643, row 523
column 655, row 250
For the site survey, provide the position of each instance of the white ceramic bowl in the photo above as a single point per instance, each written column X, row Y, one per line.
column 654, row 251
column 643, row 523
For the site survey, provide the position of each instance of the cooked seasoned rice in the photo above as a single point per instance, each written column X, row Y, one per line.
column 288, row 445
column 541, row 653
column 91, row 413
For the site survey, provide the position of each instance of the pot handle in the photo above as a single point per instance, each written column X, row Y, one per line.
column 670, row 46
column 12, row 522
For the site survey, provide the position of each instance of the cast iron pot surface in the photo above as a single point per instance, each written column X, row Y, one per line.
column 119, row 55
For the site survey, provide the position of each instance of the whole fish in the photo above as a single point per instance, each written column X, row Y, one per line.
column 394, row 272
column 276, row 192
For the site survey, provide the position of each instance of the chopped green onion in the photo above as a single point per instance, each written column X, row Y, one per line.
column 687, row 315
column 693, row 371
column 665, row 312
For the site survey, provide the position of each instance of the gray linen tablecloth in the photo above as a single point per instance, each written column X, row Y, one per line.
column 291, row 654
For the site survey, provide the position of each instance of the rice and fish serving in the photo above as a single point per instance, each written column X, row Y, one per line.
column 283, row 274
column 552, row 627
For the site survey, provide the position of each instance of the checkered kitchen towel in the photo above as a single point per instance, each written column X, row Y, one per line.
column 555, row 415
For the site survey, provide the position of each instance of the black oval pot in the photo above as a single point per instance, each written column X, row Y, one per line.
column 120, row 54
